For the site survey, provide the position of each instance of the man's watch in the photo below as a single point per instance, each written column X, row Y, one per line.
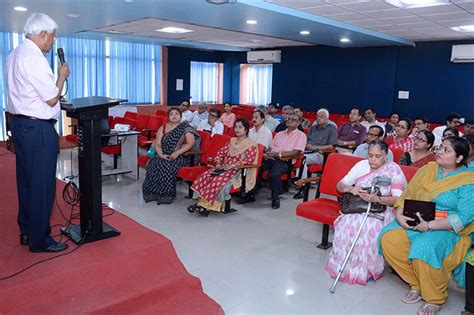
column 428, row 226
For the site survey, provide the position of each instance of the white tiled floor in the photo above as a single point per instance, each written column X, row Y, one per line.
column 257, row 260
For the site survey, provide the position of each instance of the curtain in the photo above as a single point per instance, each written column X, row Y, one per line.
column 204, row 82
column 86, row 61
column 8, row 41
column 134, row 72
column 259, row 90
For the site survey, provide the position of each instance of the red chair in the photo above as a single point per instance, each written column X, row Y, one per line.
column 326, row 210
column 323, row 209
column 149, row 133
column 142, row 121
column 229, row 131
column 160, row 112
column 397, row 154
column 190, row 173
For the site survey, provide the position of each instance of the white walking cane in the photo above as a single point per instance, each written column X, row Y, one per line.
column 381, row 181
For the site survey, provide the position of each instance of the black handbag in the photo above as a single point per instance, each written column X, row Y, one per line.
column 354, row 204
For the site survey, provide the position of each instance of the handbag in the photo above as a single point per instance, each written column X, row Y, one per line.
column 355, row 204
column 151, row 152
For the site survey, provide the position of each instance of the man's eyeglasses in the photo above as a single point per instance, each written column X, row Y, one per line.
column 456, row 122
column 293, row 119
column 372, row 134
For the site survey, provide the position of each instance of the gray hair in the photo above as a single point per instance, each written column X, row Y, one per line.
column 262, row 108
column 287, row 107
column 39, row 22
column 203, row 104
column 323, row 111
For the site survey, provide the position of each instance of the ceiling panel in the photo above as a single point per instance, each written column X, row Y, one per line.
column 327, row 10
column 349, row 17
column 439, row 9
column 450, row 16
column 383, row 14
column 369, row 6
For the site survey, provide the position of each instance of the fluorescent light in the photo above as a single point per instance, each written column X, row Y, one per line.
column 290, row 292
column 464, row 28
column 305, row 32
column 345, row 40
column 20, row 9
column 252, row 22
column 73, row 15
column 173, row 30
column 410, row 4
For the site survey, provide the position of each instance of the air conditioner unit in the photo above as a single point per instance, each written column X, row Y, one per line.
column 462, row 53
column 264, row 56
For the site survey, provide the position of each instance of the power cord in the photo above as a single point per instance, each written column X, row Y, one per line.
column 47, row 259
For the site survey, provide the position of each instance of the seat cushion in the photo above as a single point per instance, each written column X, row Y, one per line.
column 315, row 168
column 321, row 210
column 142, row 160
column 111, row 149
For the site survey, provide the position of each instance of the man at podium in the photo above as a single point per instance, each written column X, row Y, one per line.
column 33, row 105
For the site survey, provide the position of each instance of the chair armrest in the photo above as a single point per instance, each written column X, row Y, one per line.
column 302, row 182
column 148, row 142
column 292, row 157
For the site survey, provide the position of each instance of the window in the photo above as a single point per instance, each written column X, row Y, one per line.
column 256, row 84
column 98, row 68
column 206, row 82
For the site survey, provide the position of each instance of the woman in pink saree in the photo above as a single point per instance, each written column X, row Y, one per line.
column 365, row 262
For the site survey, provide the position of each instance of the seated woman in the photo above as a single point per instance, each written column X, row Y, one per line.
column 427, row 254
column 171, row 142
column 214, row 185
column 421, row 154
column 228, row 118
column 448, row 132
column 401, row 140
column 365, row 263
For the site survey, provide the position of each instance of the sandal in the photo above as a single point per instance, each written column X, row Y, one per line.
column 412, row 297
column 202, row 211
column 429, row 309
column 192, row 208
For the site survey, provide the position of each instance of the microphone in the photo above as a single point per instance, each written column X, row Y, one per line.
column 61, row 55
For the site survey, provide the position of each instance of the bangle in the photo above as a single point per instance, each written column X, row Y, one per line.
column 428, row 227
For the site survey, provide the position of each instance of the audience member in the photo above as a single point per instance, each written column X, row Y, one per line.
column 365, row 263
column 469, row 127
column 352, row 133
column 172, row 140
column 419, row 124
column 369, row 115
column 421, row 153
column 200, row 114
column 426, row 255
column 305, row 123
column 228, row 118
column 212, row 124
column 187, row 115
column 375, row 133
column 286, row 144
column 329, row 120
column 402, row 140
column 214, row 185
column 287, row 111
column 453, row 120
column 272, row 111
column 270, row 122
column 259, row 133
column 390, row 125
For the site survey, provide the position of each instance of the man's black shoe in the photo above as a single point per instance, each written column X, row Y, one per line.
column 275, row 203
column 57, row 247
column 24, row 239
column 246, row 200
column 299, row 195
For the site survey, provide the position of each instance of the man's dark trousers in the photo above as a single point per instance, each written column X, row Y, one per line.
column 36, row 146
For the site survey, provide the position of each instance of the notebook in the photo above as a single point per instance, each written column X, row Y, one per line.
column 427, row 210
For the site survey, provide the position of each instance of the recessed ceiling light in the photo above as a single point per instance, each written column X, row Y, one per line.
column 411, row 4
column 252, row 22
column 173, row 30
column 117, row 32
column 129, row 1
column 345, row 40
column 305, row 32
column 20, row 9
column 463, row 28
column 73, row 15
